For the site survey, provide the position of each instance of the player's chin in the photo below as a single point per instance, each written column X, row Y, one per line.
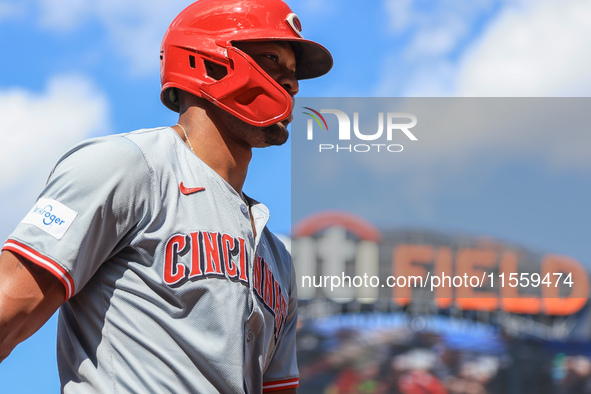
column 276, row 134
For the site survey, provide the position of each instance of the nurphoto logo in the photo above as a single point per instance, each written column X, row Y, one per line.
column 396, row 123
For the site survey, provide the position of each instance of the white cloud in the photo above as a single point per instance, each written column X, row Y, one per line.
column 526, row 48
column 64, row 15
column 436, row 41
column 37, row 128
column 437, row 27
column 433, row 33
column 134, row 27
column 529, row 48
column 10, row 10
column 400, row 13
column 428, row 79
column 539, row 48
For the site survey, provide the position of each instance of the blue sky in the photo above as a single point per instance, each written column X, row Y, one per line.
column 73, row 69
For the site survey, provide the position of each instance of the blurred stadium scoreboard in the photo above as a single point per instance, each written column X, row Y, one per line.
column 346, row 265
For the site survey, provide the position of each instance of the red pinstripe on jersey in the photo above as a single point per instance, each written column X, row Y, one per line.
column 277, row 385
column 42, row 261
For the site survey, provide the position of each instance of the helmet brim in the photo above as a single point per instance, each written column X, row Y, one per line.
column 312, row 59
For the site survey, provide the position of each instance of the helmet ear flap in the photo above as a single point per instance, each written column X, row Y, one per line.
column 184, row 69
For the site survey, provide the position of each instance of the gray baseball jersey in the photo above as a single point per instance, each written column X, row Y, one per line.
column 168, row 290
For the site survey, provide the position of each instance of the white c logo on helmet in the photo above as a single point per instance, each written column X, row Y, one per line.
column 294, row 22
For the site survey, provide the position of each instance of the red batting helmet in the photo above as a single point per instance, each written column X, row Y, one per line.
column 202, row 36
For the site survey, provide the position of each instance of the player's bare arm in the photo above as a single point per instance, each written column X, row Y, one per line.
column 29, row 295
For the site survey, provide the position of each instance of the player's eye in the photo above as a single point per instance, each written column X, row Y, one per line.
column 272, row 57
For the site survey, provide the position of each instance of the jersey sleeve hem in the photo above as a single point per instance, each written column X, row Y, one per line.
column 277, row 385
column 43, row 261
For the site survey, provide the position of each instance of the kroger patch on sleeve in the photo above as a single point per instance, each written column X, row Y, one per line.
column 51, row 216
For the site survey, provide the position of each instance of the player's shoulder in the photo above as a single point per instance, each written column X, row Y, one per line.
column 159, row 146
column 147, row 137
column 116, row 149
column 105, row 156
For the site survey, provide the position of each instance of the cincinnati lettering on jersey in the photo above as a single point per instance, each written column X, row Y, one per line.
column 211, row 255
column 217, row 255
column 268, row 290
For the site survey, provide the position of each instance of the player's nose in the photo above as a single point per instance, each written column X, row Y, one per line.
column 289, row 82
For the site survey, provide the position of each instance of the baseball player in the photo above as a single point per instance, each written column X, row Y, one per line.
column 171, row 280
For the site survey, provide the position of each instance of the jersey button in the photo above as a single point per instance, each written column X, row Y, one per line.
column 244, row 209
column 249, row 336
